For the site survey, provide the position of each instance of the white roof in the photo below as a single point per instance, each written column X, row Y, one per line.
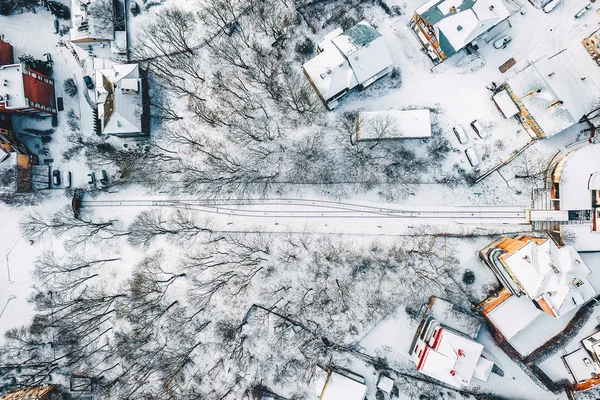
column 547, row 272
column 330, row 73
column 483, row 369
column 443, row 360
column 347, row 61
column 581, row 364
column 594, row 182
column 340, row 387
column 513, row 315
column 466, row 25
column 506, row 104
column 575, row 178
column 13, row 74
column 553, row 92
column 79, row 17
column 119, row 45
column 396, row 124
column 125, row 117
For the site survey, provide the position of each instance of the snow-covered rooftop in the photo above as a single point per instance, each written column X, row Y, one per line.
column 575, row 179
column 506, row 104
column 119, row 99
column 340, row 387
column 453, row 358
column 513, row 315
column 12, row 89
column 348, row 59
column 395, row 124
column 555, row 91
column 84, row 27
column 459, row 22
column 551, row 275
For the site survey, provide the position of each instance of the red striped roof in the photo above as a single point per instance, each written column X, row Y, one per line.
column 6, row 53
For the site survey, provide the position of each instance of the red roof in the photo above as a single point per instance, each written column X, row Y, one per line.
column 6, row 53
column 38, row 91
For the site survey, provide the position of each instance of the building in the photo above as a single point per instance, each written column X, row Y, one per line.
column 592, row 45
column 6, row 53
column 448, row 355
column 340, row 385
column 445, row 27
column 22, row 90
column 573, row 195
column 396, row 124
column 88, row 32
column 345, row 60
column 47, row 392
column 548, row 96
column 119, row 91
column 553, row 277
column 16, row 163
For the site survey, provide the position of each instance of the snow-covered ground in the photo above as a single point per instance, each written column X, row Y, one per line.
column 456, row 90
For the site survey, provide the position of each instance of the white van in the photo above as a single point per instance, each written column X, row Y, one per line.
column 472, row 157
column 551, row 5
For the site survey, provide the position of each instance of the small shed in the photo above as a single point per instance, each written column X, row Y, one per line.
column 395, row 124
column 506, row 104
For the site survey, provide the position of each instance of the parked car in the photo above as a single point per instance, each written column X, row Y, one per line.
column 472, row 157
column 56, row 177
column 134, row 8
column 104, row 178
column 460, row 133
column 92, row 180
column 68, row 182
column 502, row 42
column 479, row 129
column 551, row 5
column 88, row 82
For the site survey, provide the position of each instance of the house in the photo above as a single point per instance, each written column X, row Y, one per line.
column 119, row 90
column 47, row 392
column 16, row 163
column 548, row 96
column 444, row 27
column 448, row 355
column 345, row 60
column 583, row 364
column 396, row 124
column 23, row 90
column 592, row 45
column 340, row 385
column 88, row 31
column 554, row 278
column 573, row 195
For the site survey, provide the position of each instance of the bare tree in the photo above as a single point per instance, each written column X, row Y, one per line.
column 177, row 226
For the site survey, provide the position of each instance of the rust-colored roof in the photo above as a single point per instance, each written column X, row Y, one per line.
column 6, row 53
column 494, row 301
column 33, row 393
column 545, row 306
column 38, row 91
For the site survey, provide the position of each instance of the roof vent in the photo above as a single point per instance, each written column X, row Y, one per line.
column 459, row 28
column 491, row 8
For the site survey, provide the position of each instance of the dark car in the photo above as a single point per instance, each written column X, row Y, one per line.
column 104, row 179
column 88, row 82
column 56, row 178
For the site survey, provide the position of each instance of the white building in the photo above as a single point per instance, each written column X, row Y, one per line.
column 88, row 32
column 333, row 385
column 445, row 27
column 119, row 100
column 357, row 57
column 448, row 355
column 395, row 124
column 553, row 94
